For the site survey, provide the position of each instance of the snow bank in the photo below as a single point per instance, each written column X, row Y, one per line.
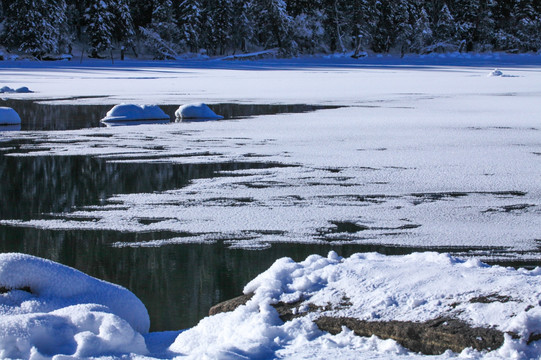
column 8, row 116
column 47, row 309
column 132, row 112
column 196, row 111
column 373, row 287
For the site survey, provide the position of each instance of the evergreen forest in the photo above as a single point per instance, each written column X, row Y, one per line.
column 164, row 29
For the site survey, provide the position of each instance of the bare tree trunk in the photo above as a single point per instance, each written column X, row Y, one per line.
column 338, row 31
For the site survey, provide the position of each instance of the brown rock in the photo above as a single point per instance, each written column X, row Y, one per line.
column 230, row 305
column 432, row 337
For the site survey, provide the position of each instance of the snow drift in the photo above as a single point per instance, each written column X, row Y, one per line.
column 132, row 112
column 196, row 111
column 8, row 116
column 48, row 308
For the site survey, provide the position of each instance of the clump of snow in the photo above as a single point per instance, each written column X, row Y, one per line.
column 21, row 90
column 415, row 287
column 47, row 309
column 495, row 72
column 133, row 112
column 8, row 116
column 196, row 111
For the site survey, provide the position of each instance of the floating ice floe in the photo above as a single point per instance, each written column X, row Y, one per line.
column 132, row 112
column 48, row 309
column 196, row 111
column 21, row 90
column 8, row 116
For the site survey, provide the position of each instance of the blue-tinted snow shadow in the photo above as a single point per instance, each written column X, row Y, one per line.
column 305, row 63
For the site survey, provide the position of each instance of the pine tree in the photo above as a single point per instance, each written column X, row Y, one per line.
column 189, row 20
column 99, row 20
column 34, row 27
column 273, row 25
column 122, row 29
column 527, row 25
column 161, row 34
column 422, row 32
column 445, row 27
column 241, row 26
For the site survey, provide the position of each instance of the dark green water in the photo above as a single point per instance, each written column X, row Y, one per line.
column 39, row 116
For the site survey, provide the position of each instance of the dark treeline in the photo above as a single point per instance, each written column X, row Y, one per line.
column 166, row 28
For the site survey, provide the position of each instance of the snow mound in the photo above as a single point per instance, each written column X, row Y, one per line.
column 8, row 116
column 133, row 112
column 51, row 309
column 372, row 287
column 21, row 90
column 495, row 72
column 196, row 111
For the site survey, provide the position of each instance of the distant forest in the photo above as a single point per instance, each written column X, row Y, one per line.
column 167, row 28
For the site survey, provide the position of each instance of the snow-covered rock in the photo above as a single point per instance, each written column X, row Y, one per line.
column 378, row 288
column 8, row 116
column 495, row 72
column 131, row 112
column 48, row 308
column 196, row 111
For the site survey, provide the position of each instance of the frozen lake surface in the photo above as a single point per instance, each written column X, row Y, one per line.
column 405, row 159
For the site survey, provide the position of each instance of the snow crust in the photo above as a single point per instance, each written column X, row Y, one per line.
column 426, row 156
column 8, row 116
column 132, row 112
column 48, row 308
column 196, row 111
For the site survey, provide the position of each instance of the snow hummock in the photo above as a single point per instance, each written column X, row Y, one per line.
column 496, row 72
column 8, row 116
column 48, row 308
column 133, row 112
column 196, row 111
column 21, row 90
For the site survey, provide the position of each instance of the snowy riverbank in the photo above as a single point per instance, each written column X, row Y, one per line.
column 48, row 310
column 421, row 155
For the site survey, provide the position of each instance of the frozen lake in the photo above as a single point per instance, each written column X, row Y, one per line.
column 383, row 158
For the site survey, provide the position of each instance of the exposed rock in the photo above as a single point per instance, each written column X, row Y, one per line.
column 230, row 305
column 431, row 338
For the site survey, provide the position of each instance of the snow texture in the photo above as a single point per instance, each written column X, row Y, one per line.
column 8, row 116
column 426, row 156
column 132, row 112
column 198, row 111
column 47, row 309
column 414, row 287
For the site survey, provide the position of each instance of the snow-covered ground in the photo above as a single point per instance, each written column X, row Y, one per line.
column 48, row 310
column 420, row 155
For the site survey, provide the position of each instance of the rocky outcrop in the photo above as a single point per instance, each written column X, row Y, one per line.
column 432, row 337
